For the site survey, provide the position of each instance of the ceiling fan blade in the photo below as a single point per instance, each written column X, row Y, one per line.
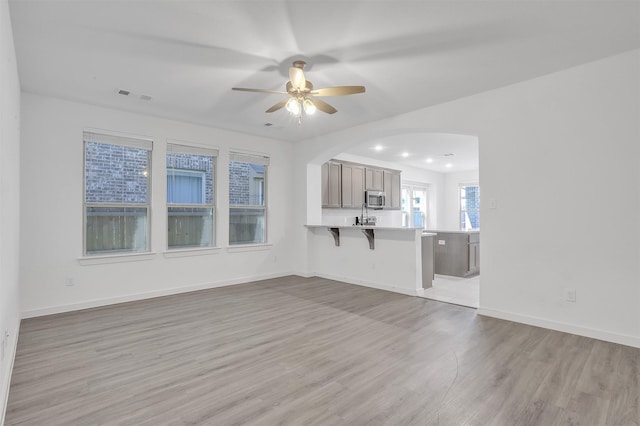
column 296, row 77
column 277, row 106
column 338, row 91
column 323, row 106
column 243, row 89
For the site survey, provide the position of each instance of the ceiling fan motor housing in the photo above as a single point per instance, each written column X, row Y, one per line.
column 293, row 91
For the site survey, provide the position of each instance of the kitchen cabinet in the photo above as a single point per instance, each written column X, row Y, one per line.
column 352, row 186
column 374, row 179
column 474, row 254
column 427, row 261
column 332, row 184
column 457, row 253
column 392, row 188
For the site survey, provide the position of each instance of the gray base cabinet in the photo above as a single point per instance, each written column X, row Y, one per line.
column 457, row 254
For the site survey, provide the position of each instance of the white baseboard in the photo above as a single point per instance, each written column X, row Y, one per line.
column 607, row 336
column 7, row 382
column 304, row 274
column 370, row 284
column 147, row 295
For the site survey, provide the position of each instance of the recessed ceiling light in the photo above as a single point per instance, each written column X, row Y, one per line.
column 449, row 165
column 378, row 147
column 429, row 160
column 405, row 154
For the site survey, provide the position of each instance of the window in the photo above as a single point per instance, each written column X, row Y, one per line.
column 414, row 206
column 116, row 194
column 190, row 196
column 247, row 199
column 469, row 206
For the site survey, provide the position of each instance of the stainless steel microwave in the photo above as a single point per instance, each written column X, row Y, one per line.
column 374, row 199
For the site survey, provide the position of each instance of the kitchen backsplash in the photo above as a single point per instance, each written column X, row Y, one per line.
column 345, row 217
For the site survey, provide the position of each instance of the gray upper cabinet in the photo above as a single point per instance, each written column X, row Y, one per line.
column 331, row 184
column 392, row 188
column 352, row 186
column 374, row 179
column 344, row 184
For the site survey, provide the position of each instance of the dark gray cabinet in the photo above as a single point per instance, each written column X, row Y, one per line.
column 331, row 184
column 392, row 188
column 352, row 186
column 457, row 253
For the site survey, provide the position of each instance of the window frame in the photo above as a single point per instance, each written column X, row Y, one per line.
column 460, row 209
column 264, row 160
column 412, row 187
column 179, row 147
column 108, row 138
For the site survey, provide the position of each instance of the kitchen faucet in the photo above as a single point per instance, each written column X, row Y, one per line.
column 365, row 219
column 364, row 209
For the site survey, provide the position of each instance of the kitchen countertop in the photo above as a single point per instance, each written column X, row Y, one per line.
column 454, row 231
column 385, row 228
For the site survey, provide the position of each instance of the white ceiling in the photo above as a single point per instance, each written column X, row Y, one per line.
column 439, row 152
column 187, row 55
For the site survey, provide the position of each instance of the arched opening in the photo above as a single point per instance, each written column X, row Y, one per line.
column 440, row 183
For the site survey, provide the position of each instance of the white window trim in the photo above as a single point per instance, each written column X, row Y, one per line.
column 411, row 186
column 244, row 157
column 460, row 210
column 100, row 259
column 119, row 139
column 191, row 251
column 178, row 147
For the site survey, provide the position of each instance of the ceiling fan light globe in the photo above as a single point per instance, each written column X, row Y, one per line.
column 309, row 107
column 293, row 106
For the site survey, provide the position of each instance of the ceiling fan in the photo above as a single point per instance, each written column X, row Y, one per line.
column 302, row 95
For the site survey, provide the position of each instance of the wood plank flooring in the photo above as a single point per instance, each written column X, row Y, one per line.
column 312, row 352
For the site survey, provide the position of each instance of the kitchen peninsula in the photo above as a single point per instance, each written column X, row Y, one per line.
column 384, row 257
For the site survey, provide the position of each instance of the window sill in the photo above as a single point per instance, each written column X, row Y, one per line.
column 249, row 247
column 195, row 251
column 115, row 258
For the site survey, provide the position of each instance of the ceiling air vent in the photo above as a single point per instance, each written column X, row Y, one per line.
column 145, row 97
column 123, row 92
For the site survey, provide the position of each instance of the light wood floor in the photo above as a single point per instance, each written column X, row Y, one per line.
column 312, row 351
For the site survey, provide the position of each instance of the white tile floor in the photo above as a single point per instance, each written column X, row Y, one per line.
column 460, row 291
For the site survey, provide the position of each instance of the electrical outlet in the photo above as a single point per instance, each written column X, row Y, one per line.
column 570, row 294
column 442, row 242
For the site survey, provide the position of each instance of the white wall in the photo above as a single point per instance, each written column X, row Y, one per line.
column 393, row 265
column 51, row 187
column 9, row 201
column 560, row 154
column 450, row 198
